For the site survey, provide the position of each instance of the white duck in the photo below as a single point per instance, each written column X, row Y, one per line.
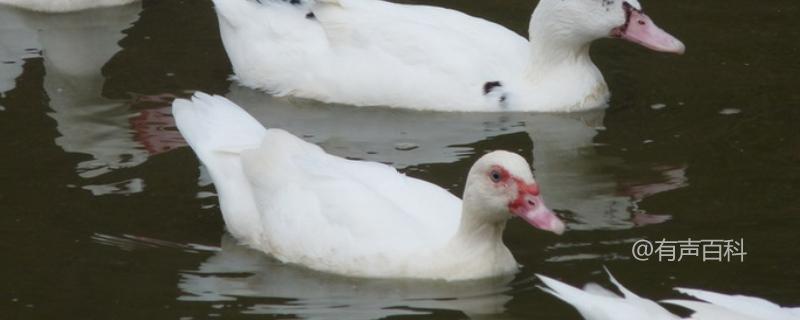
column 290, row 199
column 597, row 303
column 55, row 6
column 371, row 52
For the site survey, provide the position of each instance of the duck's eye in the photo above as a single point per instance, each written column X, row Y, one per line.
column 495, row 175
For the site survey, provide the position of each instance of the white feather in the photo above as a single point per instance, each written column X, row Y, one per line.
column 742, row 306
column 217, row 129
column 596, row 303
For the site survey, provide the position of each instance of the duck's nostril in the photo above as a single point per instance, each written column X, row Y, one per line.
column 530, row 202
column 641, row 22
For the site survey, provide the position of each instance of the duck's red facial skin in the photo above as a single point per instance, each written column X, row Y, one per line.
column 528, row 203
column 640, row 29
column 523, row 188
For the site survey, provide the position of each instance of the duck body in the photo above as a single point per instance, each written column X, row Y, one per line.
column 290, row 199
column 343, row 202
column 55, row 6
column 371, row 52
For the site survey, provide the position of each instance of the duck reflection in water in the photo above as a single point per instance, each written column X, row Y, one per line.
column 74, row 48
column 236, row 272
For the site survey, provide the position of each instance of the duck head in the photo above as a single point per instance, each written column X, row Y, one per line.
column 577, row 23
column 500, row 186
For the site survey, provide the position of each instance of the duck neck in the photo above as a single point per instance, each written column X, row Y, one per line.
column 547, row 59
column 554, row 48
column 477, row 247
column 474, row 231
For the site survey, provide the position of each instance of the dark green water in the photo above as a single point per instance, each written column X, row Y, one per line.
column 105, row 215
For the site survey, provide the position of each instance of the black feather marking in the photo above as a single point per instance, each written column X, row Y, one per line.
column 489, row 86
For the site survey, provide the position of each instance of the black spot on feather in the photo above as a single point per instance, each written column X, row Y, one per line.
column 489, row 86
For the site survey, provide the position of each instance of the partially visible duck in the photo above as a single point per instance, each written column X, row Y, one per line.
column 372, row 52
column 290, row 199
column 64, row 5
column 597, row 303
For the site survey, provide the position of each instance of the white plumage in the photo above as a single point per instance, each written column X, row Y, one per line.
column 597, row 303
column 371, row 52
column 290, row 199
column 723, row 306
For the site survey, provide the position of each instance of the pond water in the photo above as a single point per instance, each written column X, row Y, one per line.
column 104, row 213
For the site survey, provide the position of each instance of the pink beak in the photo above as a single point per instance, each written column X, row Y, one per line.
column 530, row 207
column 640, row 29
